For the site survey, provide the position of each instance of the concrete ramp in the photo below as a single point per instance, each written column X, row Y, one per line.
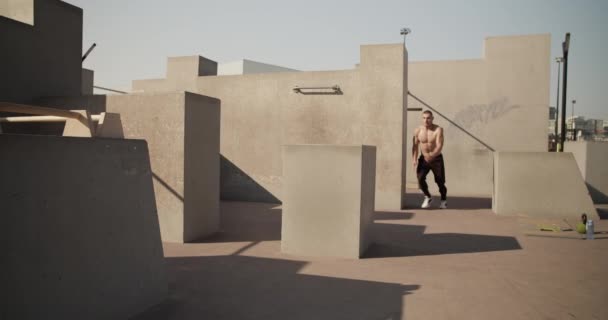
column 540, row 184
column 79, row 229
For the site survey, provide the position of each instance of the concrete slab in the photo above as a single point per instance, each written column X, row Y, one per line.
column 328, row 199
column 79, row 229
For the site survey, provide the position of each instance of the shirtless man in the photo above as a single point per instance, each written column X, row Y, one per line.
column 429, row 139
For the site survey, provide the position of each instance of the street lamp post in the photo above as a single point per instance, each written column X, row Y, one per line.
column 405, row 32
column 559, row 60
column 573, row 129
column 565, row 49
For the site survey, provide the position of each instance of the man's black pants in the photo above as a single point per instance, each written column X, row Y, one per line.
column 436, row 165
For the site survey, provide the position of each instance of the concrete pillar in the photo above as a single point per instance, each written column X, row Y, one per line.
column 328, row 199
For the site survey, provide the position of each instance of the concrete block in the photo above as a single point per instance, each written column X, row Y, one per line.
column 540, row 184
column 43, row 58
column 591, row 160
column 88, row 81
column 183, row 133
column 328, row 199
column 79, row 229
column 109, row 126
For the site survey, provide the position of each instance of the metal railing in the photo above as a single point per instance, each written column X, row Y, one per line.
column 452, row 122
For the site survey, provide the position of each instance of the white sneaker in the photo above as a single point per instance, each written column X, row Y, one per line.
column 444, row 204
column 426, row 203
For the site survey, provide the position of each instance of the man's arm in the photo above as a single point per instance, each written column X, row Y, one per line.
column 415, row 148
column 438, row 144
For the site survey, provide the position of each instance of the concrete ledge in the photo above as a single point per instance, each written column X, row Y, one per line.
column 79, row 229
column 539, row 184
column 328, row 199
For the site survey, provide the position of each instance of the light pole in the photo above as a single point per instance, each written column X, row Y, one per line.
column 559, row 61
column 573, row 129
column 405, row 32
column 565, row 50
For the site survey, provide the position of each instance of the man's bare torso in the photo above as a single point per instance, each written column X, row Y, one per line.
column 427, row 139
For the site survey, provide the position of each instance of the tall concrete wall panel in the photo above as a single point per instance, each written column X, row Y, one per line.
column 501, row 99
column 540, row 184
column 182, row 131
column 79, row 229
column 261, row 112
column 591, row 158
column 43, row 59
column 328, row 199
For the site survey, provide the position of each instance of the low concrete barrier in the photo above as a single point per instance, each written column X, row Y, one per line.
column 539, row 184
column 592, row 160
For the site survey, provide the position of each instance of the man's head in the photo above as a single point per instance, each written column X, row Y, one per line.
column 427, row 118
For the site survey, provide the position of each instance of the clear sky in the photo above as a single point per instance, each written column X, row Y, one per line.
column 135, row 37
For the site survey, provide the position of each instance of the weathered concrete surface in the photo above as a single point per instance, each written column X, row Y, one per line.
column 425, row 264
column 261, row 112
column 328, row 199
column 182, row 131
column 79, row 229
column 539, row 184
column 43, row 59
column 502, row 99
column 591, row 158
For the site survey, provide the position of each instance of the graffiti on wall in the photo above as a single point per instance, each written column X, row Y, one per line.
column 477, row 116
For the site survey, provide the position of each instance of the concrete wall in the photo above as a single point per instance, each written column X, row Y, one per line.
column 248, row 67
column 261, row 112
column 79, row 229
column 328, row 199
column 591, row 158
column 541, row 184
column 182, row 131
column 502, row 99
column 43, row 59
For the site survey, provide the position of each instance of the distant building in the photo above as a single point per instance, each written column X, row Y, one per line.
column 585, row 128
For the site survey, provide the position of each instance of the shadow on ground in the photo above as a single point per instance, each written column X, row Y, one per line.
column 396, row 240
column 390, row 215
column 414, row 200
column 603, row 213
column 247, row 221
column 240, row 287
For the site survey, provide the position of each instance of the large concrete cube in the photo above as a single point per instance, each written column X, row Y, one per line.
column 328, row 199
